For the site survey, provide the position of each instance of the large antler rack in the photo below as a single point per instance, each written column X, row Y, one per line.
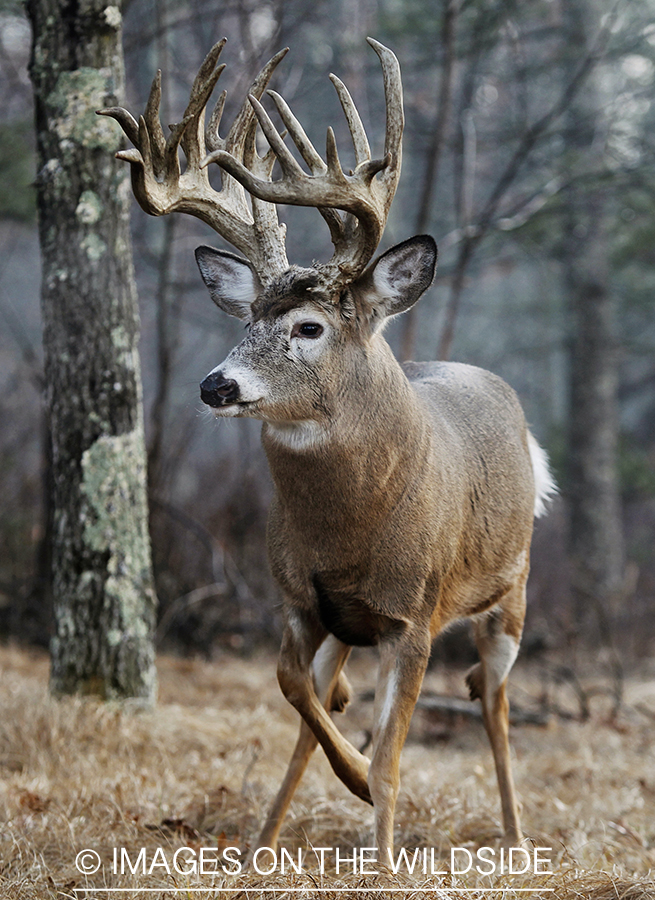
column 365, row 199
column 161, row 187
column 364, row 195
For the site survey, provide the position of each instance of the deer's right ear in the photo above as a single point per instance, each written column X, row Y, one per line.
column 232, row 283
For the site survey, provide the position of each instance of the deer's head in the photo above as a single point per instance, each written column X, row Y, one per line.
column 307, row 326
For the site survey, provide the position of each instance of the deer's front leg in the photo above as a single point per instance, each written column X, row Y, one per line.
column 333, row 692
column 302, row 637
column 403, row 660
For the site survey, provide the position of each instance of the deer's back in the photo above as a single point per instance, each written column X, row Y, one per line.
column 480, row 407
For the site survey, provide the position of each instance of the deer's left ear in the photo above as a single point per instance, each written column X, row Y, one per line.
column 232, row 282
column 396, row 280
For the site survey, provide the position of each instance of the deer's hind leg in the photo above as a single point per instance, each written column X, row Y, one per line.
column 333, row 691
column 497, row 637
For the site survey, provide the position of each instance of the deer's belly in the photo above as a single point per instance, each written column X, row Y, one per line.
column 348, row 617
column 478, row 593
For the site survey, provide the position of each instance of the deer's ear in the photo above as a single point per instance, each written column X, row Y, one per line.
column 402, row 274
column 232, row 283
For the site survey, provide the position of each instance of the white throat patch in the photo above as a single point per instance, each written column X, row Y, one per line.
column 303, row 435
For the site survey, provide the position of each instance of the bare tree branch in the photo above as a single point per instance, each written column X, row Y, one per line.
column 434, row 153
column 519, row 217
column 526, row 145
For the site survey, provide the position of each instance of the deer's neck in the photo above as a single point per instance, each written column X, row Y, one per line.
column 360, row 456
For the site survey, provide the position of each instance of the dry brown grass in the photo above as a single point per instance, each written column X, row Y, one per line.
column 200, row 770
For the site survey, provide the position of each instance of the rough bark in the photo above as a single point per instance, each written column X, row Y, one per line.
column 595, row 525
column 596, row 537
column 104, row 602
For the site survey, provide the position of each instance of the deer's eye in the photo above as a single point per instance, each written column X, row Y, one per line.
column 307, row 329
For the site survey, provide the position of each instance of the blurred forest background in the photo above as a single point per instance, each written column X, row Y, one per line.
column 528, row 154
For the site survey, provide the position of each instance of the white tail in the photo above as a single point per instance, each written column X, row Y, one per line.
column 404, row 496
column 545, row 487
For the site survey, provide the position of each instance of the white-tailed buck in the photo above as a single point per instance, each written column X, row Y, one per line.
column 404, row 495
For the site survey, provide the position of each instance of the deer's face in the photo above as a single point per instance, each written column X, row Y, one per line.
column 308, row 341
column 283, row 369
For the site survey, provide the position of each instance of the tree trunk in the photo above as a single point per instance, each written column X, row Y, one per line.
column 434, row 155
column 104, row 602
column 595, row 526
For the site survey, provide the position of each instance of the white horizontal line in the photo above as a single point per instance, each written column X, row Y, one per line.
column 315, row 890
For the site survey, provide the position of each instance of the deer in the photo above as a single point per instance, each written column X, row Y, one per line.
column 404, row 495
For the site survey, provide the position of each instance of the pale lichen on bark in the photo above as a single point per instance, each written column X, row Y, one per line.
column 113, row 17
column 113, row 473
column 74, row 101
column 94, row 247
column 115, row 524
column 89, row 208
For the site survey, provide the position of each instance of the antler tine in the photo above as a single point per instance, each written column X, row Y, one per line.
column 360, row 141
column 125, row 119
column 311, row 157
column 212, row 140
column 393, row 95
column 237, row 135
column 298, row 135
column 193, row 139
column 171, row 156
column 153, row 123
column 288, row 164
column 199, row 93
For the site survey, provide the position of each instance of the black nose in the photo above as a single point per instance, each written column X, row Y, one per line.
column 215, row 390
